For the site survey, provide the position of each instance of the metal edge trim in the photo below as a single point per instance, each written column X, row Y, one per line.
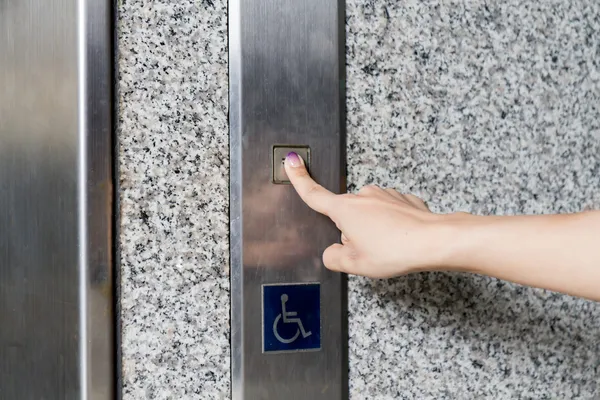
column 116, row 199
column 343, row 189
column 96, row 38
column 235, row 204
column 82, row 184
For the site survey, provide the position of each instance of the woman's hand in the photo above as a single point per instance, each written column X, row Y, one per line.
column 384, row 233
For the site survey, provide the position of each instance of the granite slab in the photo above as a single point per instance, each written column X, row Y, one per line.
column 485, row 107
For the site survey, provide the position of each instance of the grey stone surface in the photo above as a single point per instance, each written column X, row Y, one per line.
column 490, row 108
column 174, row 184
column 476, row 106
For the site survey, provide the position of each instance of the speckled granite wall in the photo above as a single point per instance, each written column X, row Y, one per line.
column 174, row 199
column 488, row 108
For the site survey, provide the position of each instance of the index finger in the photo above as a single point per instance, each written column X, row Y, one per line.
column 314, row 195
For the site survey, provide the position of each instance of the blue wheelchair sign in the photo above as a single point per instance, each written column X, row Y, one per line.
column 291, row 317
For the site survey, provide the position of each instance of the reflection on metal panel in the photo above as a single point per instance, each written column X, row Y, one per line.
column 288, row 316
column 56, row 266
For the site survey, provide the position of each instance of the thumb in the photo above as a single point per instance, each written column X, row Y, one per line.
column 340, row 258
column 314, row 195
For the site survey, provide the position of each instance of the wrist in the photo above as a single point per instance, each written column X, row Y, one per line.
column 458, row 242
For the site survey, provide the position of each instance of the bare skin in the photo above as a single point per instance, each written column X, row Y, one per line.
column 387, row 234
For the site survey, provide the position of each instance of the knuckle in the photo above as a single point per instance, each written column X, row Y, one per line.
column 301, row 172
column 346, row 197
column 313, row 189
column 417, row 200
column 369, row 189
column 394, row 193
column 349, row 262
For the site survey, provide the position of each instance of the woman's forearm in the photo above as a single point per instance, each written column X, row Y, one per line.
column 556, row 252
column 386, row 234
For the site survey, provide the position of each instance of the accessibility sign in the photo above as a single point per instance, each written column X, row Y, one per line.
column 291, row 315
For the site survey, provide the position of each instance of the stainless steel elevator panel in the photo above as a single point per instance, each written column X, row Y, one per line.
column 288, row 316
column 56, row 291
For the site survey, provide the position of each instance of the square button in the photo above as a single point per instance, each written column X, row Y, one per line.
column 279, row 154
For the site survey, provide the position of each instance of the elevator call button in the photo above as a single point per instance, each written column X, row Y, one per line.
column 279, row 154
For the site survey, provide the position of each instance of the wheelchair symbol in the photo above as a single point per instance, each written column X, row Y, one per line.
column 285, row 316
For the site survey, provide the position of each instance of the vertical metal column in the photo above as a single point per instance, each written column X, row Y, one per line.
column 288, row 313
column 56, row 195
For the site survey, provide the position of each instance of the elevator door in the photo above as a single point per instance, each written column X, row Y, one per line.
column 56, row 200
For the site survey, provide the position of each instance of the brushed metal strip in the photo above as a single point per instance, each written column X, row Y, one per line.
column 286, row 76
column 235, row 199
column 56, row 200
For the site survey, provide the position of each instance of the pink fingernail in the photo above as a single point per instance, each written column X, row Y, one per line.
column 293, row 159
